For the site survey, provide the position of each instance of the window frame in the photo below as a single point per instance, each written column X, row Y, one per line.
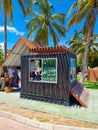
column 42, row 81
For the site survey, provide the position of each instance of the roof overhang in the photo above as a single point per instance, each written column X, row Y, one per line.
column 49, row 49
column 22, row 47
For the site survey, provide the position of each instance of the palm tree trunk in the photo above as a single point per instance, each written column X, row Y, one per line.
column 90, row 32
column 5, row 35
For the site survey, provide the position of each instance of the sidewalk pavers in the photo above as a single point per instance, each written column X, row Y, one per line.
column 10, row 121
column 7, row 124
column 74, row 111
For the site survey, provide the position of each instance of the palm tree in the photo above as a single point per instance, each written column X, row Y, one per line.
column 7, row 5
column 77, row 45
column 1, row 55
column 84, row 10
column 44, row 24
column 26, row 6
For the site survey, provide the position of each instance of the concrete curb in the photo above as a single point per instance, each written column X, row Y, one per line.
column 38, row 125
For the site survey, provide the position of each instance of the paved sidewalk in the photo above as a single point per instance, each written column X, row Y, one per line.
column 10, row 121
column 75, row 111
column 7, row 124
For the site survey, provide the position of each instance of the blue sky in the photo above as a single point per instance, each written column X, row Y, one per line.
column 18, row 29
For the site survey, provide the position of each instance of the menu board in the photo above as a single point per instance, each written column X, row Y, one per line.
column 49, row 70
column 81, row 94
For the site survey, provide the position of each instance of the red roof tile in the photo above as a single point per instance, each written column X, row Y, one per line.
column 49, row 49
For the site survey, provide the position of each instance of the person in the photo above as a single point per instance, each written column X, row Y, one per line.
column 6, row 79
column 3, row 80
column 11, row 76
column 19, row 78
column 32, row 75
column 38, row 76
column 15, row 80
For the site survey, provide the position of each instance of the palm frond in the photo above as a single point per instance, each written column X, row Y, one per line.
column 32, row 30
column 48, row 24
column 26, row 6
column 45, row 7
column 33, row 22
column 60, row 29
column 82, row 8
column 8, row 9
column 59, row 17
column 80, row 50
column 71, row 9
column 42, row 35
column 72, row 21
column 54, row 36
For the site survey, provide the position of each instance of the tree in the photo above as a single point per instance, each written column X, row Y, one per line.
column 26, row 6
column 7, row 5
column 45, row 24
column 1, row 55
column 93, row 60
column 85, row 10
column 77, row 45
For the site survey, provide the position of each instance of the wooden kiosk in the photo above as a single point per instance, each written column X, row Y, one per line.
column 57, row 68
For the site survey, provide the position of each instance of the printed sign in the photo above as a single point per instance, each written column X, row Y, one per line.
column 72, row 69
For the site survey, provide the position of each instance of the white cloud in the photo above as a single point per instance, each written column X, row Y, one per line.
column 11, row 30
column 2, row 45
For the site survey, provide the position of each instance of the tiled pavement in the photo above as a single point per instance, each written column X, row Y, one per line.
column 11, row 121
column 87, row 114
column 7, row 124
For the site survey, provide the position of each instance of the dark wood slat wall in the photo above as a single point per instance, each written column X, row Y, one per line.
column 51, row 92
column 65, row 75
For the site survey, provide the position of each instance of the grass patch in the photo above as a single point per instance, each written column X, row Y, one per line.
column 43, row 119
column 89, row 84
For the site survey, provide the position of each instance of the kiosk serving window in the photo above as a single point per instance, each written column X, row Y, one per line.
column 43, row 70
